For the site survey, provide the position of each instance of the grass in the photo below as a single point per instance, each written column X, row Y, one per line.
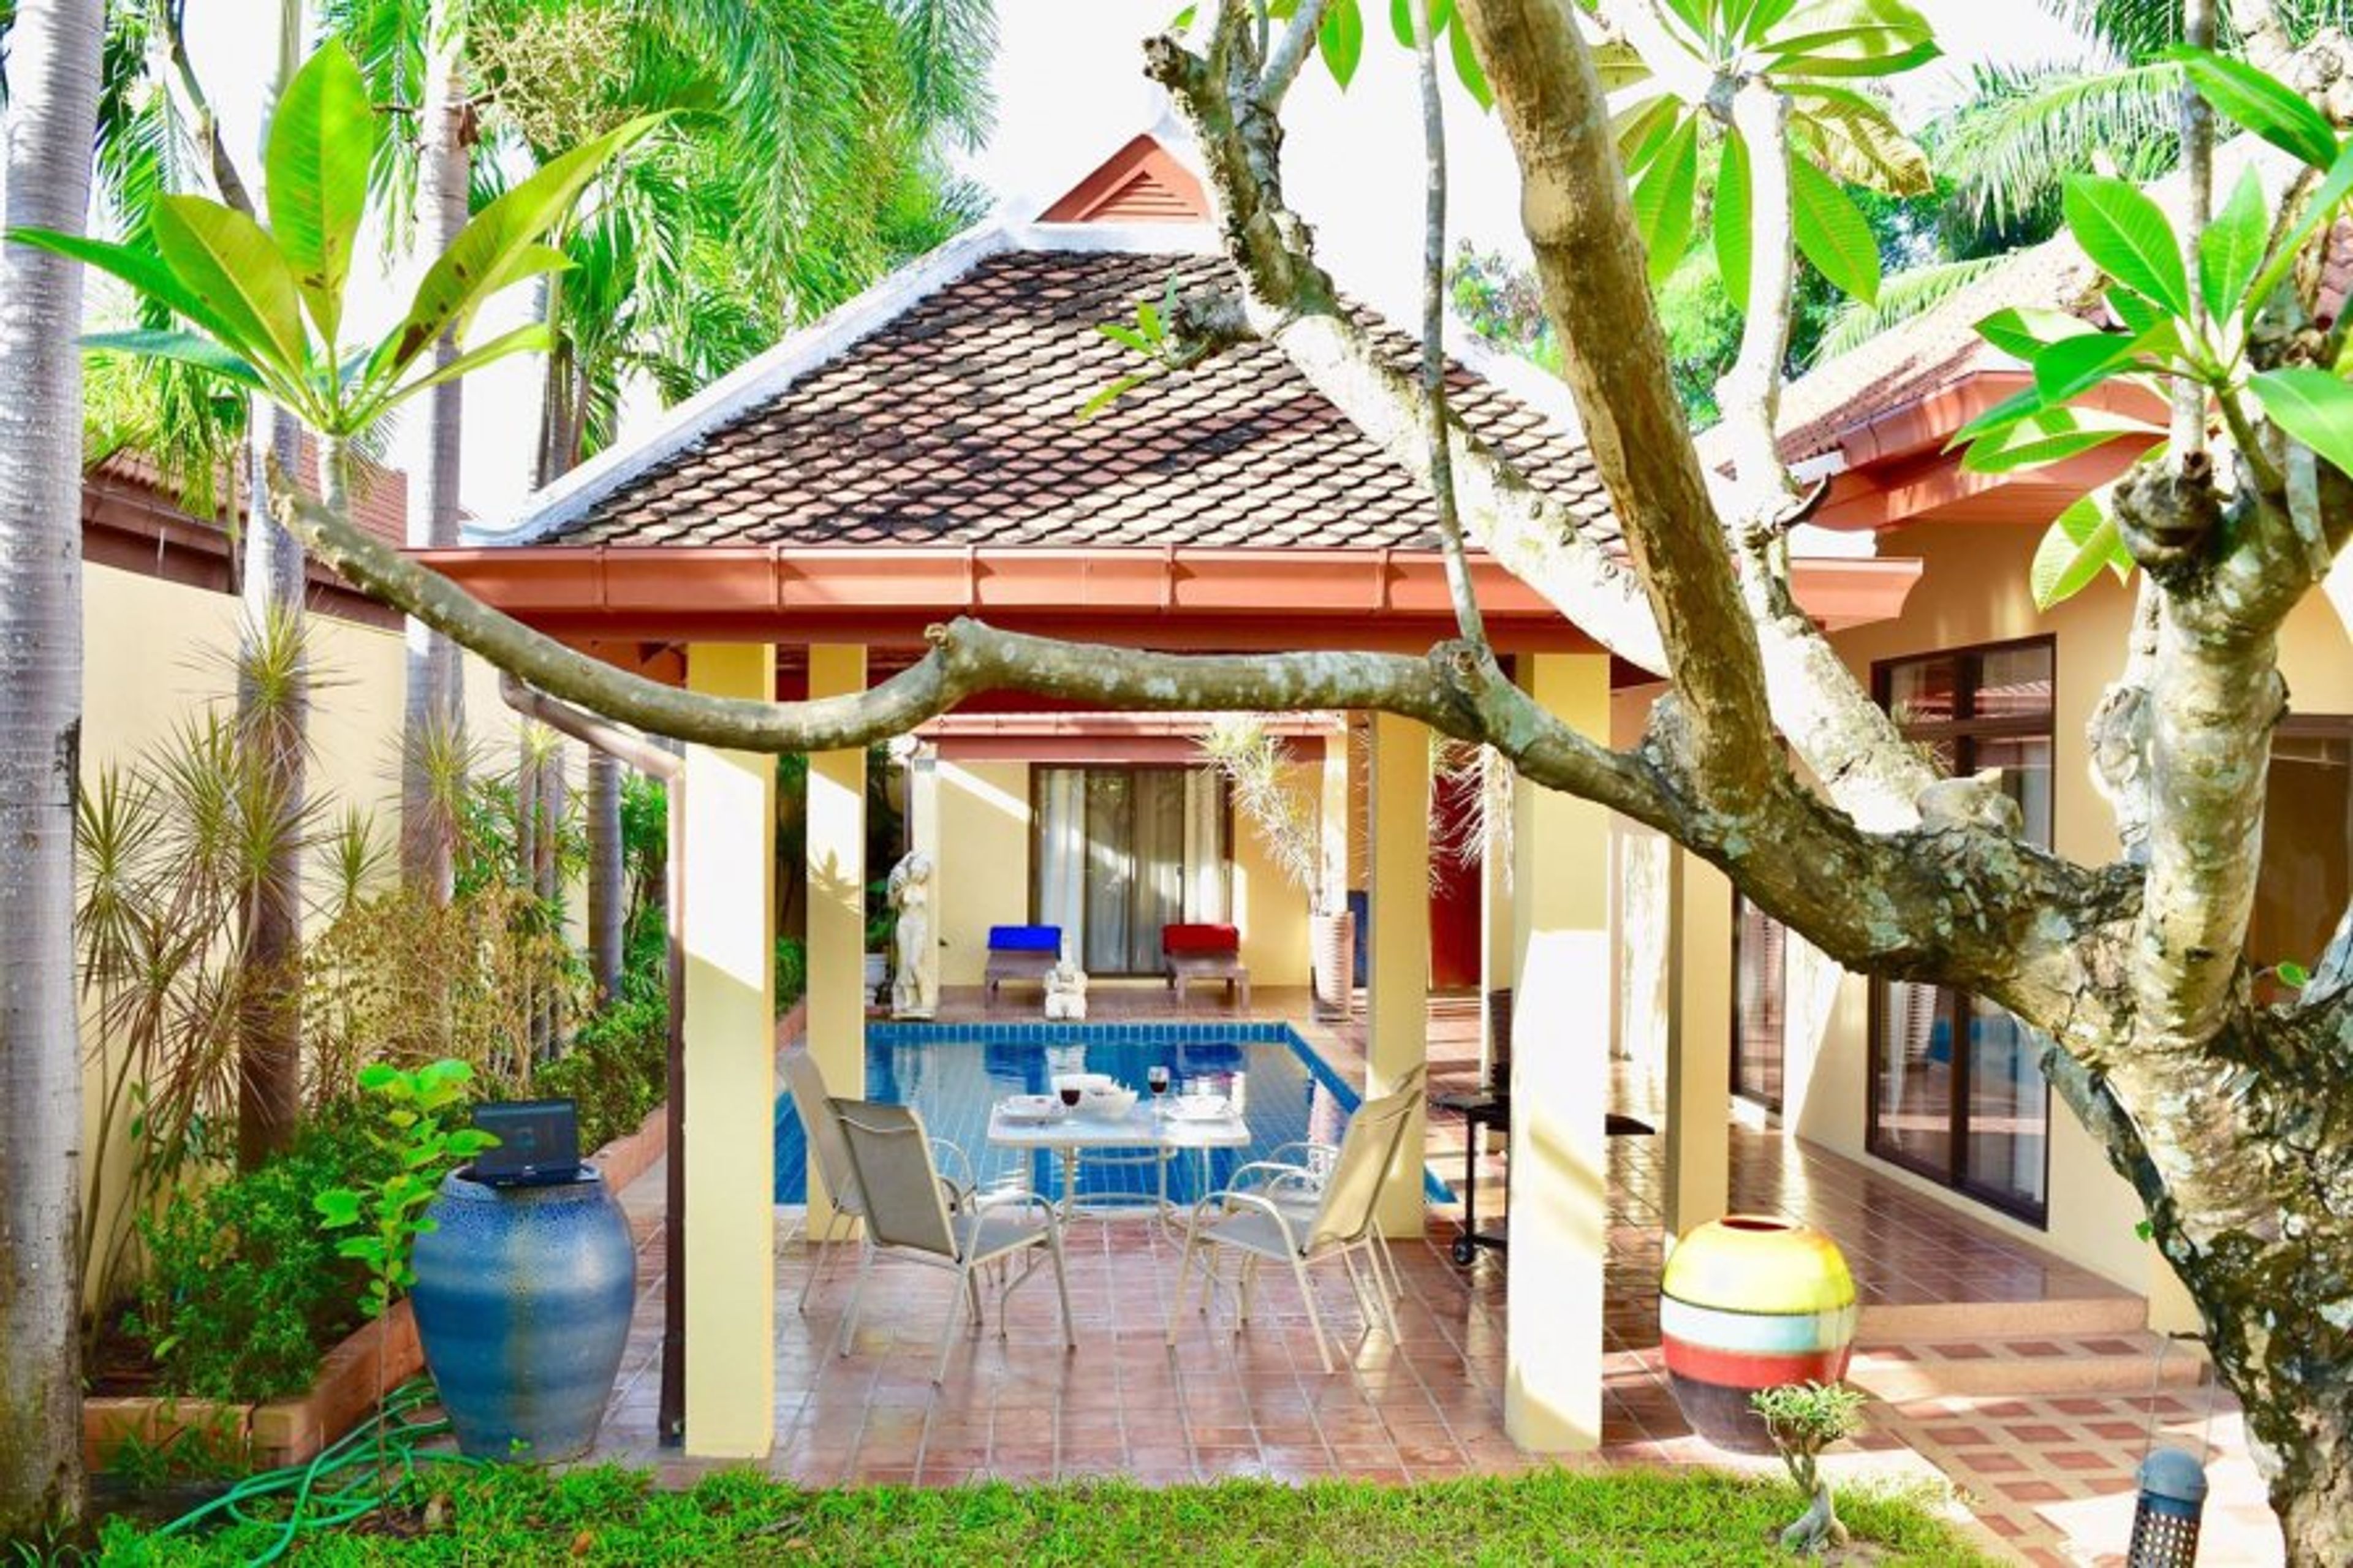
column 519, row 1517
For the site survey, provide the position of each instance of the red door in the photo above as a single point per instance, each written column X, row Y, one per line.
column 1455, row 882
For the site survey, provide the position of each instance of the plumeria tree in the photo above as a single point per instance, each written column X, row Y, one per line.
column 2231, row 1118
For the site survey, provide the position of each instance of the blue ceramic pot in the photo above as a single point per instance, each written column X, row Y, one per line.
column 522, row 1302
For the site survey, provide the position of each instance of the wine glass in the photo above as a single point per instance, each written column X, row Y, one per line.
column 1070, row 1092
column 1155, row 1078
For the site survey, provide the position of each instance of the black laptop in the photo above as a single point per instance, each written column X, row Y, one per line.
column 538, row 1142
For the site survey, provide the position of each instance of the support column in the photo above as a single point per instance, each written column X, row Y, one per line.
column 836, row 839
column 1560, row 1086
column 1497, row 941
column 1699, row 1045
column 730, row 855
column 1397, row 1031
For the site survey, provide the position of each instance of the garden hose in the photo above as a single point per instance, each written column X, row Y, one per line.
column 325, row 1492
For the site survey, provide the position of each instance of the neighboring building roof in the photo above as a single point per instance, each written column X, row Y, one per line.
column 379, row 495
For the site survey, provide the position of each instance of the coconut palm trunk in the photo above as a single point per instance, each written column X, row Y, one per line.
column 433, row 712
column 45, row 171
column 273, row 714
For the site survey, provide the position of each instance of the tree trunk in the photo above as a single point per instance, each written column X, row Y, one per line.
column 271, row 718
column 433, row 715
column 608, row 894
column 45, row 175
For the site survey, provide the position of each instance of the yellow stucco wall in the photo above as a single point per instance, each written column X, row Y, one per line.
column 984, row 861
column 156, row 653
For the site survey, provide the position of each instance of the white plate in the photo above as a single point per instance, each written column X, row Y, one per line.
column 1200, row 1107
column 1032, row 1108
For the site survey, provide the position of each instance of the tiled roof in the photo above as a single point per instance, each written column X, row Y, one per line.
column 955, row 423
column 379, row 496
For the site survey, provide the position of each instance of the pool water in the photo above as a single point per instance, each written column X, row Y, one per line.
column 954, row 1073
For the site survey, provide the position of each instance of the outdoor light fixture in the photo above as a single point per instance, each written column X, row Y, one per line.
column 2166, row 1518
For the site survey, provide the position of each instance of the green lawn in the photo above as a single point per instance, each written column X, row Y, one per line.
column 514, row 1516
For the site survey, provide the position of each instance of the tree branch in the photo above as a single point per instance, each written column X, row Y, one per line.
column 223, row 167
column 1290, row 52
column 1433, row 333
column 1597, row 290
column 1751, row 391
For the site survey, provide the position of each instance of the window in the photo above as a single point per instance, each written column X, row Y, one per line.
column 1123, row 851
column 1956, row 1093
column 1759, row 977
column 2306, row 876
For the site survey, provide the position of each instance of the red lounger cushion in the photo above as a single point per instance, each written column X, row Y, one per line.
column 1201, row 939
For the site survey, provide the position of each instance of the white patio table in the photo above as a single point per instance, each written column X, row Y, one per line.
column 1165, row 1137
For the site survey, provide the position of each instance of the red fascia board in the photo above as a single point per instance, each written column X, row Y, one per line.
column 774, row 591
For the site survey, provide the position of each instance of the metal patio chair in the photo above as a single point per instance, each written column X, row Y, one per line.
column 1295, row 1174
column 1341, row 1224
column 821, row 1123
column 908, row 1215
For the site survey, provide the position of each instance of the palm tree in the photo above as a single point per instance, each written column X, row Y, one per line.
column 45, row 174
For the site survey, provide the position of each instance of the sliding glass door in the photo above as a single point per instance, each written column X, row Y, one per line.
column 1124, row 851
column 1957, row 1091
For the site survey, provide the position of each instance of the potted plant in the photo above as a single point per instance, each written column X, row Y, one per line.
column 1289, row 828
column 881, row 929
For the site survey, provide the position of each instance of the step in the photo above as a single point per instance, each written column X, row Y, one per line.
column 1905, row 1324
column 2045, row 1363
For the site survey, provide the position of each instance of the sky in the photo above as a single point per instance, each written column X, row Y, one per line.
column 1070, row 90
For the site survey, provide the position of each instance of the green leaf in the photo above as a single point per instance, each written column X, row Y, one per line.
column 1850, row 38
column 2000, row 417
column 2024, row 331
column 186, row 348
column 2232, row 248
column 146, row 274
column 1466, row 63
column 338, row 1206
column 1109, row 394
column 1858, row 141
column 484, row 251
column 322, row 139
column 2051, row 435
column 1733, row 218
column 2079, row 542
column 1149, row 323
column 377, row 1077
column 2126, row 237
column 2291, row 972
column 2073, row 366
column 1340, row 39
column 532, row 337
column 1663, row 197
column 2263, row 104
column 2314, row 407
column 1831, row 232
column 1618, row 64
column 228, row 260
column 1643, row 129
column 2319, row 208
column 1120, row 332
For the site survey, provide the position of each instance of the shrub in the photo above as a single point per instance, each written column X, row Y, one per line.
column 616, row 1069
column 242, row 1294
column 792, row 972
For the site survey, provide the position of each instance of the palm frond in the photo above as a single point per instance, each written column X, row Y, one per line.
column 1902, row 295
column 2024, row 131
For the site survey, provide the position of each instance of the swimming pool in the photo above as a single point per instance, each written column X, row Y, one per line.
column 953, row 1073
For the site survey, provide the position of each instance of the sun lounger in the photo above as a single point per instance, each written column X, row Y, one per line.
column 1194, row 953
column 1020, row 952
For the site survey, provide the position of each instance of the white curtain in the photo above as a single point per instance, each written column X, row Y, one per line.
column 1062, row 855
column 1206, row 900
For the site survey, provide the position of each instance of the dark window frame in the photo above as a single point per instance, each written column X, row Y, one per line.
column 1954, row 1002
column 1038, row 826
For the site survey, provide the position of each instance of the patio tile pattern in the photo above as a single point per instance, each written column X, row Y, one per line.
column 2049, row 1477
column 956, row 422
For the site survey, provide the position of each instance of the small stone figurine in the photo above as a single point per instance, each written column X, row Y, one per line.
column 1066, row 994
column 915, row 984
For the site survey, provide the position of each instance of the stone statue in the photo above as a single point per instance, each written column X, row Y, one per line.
column 1066, row 994
column 915, row 984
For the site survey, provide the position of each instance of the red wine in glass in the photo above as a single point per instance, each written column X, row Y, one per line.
column 1157, row 1078
column 1070, row 1093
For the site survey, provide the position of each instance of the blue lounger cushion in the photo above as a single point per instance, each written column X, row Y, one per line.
column 1025, row 939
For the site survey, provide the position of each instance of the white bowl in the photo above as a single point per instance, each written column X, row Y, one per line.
column 1085, row 1082
column 1113, row 1102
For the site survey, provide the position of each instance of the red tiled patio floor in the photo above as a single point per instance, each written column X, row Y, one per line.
column 1429, row 1404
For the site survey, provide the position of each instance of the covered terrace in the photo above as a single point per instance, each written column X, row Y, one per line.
column 919, row 456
